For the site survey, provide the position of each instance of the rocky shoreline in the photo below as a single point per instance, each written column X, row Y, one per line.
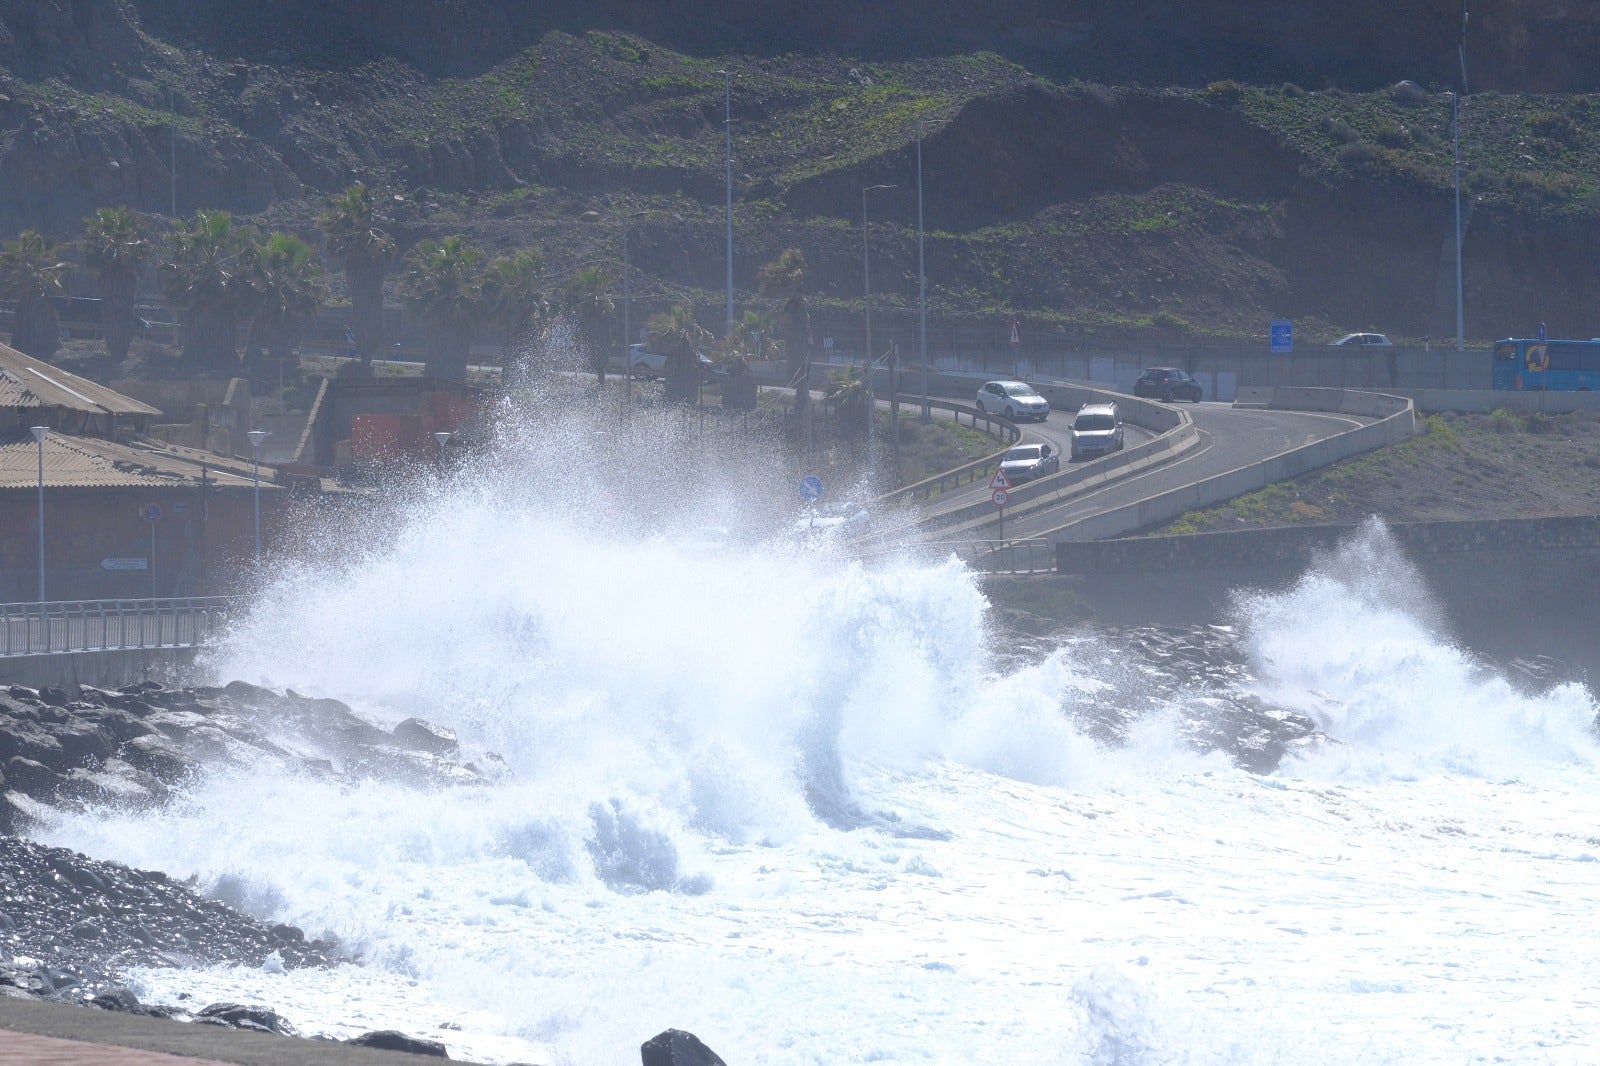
column 70, row 926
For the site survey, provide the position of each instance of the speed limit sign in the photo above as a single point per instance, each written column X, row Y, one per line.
column 999, row 497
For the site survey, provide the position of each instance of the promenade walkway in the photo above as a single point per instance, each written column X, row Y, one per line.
column 54, row 1034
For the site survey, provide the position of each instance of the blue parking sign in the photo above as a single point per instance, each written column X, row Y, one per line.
column 811, row 488
column 1282, row 336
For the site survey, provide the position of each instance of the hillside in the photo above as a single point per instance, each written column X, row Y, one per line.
column 1463, row 466
column 1197, row 199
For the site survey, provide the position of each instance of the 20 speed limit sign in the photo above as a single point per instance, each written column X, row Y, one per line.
column 999, row 497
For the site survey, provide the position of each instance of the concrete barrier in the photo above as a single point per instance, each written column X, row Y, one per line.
column 1396, row 420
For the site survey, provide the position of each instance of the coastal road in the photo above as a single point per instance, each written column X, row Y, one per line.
column 1229, row 438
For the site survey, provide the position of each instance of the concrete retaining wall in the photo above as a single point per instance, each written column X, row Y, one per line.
column 1398, row 423
column 1272, row 550
column 102, row 669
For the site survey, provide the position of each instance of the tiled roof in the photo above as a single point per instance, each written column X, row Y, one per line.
column 29, row 382
column 89, row 462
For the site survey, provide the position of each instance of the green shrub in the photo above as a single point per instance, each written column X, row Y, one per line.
column 1551, row 125
column 1225, row 91
column 1391, row 133
column 1504, row 420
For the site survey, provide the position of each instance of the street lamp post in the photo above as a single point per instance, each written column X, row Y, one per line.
column 443, row 438
column 866, row 282
column 922, row 290
column 1455, row 122
column 39, row 433
column 727, row 123
column 256, row 437
column 1455, row 117
column 627, row 326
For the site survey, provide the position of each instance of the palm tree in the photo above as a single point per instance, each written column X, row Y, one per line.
column 289, row 286
column 514, row 299
column 754, row 336
column 32, row 267
column 349, row 222
column 785, row 279
column 206, row 278
column 587, row 297
column 443, row 287
column 677, row 334
column 117, row 249
column 848, row 391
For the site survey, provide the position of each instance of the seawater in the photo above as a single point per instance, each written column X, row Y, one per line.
column 819, row 811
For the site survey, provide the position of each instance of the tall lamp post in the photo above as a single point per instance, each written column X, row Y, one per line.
column 256, row 437
column 1455, row 116
column 727, row 123
column 922, row 291
column 39, row 434
column 1455, row 122
column 866, row 282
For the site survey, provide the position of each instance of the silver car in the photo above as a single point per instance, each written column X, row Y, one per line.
column 1028, row 461
column 1013, row 401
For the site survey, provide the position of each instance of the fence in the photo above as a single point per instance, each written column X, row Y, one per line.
column 111, row 625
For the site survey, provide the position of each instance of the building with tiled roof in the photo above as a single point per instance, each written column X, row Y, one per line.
column 124, row 516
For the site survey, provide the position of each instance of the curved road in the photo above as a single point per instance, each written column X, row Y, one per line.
column 1229, row 438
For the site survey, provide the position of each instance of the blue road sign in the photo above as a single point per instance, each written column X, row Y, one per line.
column 1282, row 336
column 811, row 488
column 1541, row 333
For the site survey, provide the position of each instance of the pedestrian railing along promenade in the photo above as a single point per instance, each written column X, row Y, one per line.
column 111, row 625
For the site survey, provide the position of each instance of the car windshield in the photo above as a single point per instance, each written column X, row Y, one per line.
column 1020, row 390
column 1094, row 422
column 1027, row 451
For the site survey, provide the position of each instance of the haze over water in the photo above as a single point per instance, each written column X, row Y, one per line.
column 821, row 812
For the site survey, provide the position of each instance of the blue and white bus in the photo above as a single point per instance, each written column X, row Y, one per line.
column 1532, row 365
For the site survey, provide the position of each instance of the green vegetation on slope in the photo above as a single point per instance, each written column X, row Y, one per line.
column 1500, row 465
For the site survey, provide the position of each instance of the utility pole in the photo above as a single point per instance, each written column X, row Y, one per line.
column 922, row 290
column 866, row 281
column 727, row 123
column 1455, row 112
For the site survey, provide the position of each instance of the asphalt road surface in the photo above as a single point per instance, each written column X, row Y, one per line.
column 1229, row 438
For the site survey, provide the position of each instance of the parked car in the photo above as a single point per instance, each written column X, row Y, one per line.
column 1370, row 340
column 1014, row 400
column 1168, row 383
column 647, row 364
column 1097, row 430
column 1028, row 461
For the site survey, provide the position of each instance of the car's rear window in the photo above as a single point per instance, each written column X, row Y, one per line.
column 1094, row 422
column 1030, row 451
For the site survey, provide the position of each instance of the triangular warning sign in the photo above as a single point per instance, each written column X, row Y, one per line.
column 1016, row 332
column 1000, row 481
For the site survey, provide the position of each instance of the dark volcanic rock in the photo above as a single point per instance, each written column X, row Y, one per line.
column 392, row 1040
column 418, row 735
column 240, row 1016
column 675, row 1047
column 85, row 921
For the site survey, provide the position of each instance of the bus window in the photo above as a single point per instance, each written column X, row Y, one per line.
column 1563, row 357
column 1589, row 357
column 1505, row 352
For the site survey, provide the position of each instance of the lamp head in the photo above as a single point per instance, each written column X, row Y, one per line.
column 257, row 436
column 39, row 432
column 441, row 436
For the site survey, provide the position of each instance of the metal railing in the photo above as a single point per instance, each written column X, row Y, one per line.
column 111, row 625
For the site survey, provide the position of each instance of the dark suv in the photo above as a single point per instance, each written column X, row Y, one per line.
column 1168, row 383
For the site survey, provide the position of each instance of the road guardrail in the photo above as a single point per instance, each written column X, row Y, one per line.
column 73, row 626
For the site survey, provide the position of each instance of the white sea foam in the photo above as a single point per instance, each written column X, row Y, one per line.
column 791, row 804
